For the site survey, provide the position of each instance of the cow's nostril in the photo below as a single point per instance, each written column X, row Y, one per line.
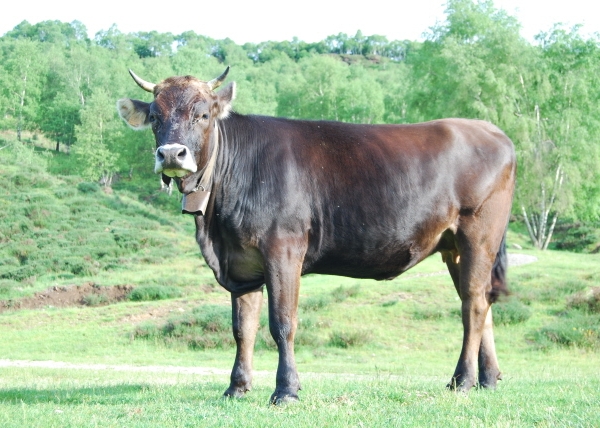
column 159, row 155
column 182, row 153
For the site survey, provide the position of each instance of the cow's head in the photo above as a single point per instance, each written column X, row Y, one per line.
column 183, row 118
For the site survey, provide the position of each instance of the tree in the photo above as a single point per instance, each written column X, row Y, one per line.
column 560, row 157
column 98, row 132
column 23, row 64
column 313, row 94
column 469, row 66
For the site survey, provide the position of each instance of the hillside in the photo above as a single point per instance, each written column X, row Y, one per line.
column 58, row 230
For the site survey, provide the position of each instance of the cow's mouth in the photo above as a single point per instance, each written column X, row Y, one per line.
column 188, row 183
column 176, row 173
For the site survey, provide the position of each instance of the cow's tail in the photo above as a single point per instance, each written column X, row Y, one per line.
column 499, row 283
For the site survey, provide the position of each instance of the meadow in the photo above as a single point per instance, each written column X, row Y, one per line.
column 369, row 353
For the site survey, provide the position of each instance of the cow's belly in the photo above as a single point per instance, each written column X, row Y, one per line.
column 382, row 263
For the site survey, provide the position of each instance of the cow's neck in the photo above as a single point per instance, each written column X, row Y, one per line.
column 196, row 201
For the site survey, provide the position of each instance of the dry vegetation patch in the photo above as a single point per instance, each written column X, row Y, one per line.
column 87, row 294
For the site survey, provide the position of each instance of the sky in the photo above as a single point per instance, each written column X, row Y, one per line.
column 309, row 20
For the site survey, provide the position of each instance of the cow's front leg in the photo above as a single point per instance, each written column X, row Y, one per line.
column 245, row 320
column 283, row 286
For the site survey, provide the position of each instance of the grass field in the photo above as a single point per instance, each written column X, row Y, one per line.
column 369, row 353
column 394, row 376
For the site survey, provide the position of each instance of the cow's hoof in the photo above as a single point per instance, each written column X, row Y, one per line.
column 460, row 385
column 280, row 399
column 235, row 392
column 489, row 381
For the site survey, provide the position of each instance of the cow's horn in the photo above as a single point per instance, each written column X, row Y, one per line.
column 215, row 83
column 146, row 86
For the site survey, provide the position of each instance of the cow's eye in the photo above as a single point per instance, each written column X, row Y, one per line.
column 200, row 117
column 152, row 118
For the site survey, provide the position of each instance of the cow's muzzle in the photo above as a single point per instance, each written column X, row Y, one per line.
column 174, row 160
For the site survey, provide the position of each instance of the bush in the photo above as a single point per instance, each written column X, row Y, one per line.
column 205, row 327
column 347, row 339
column 7, row 286
column 577, row 237
column 429, row 314
column 587, row 301
column 340, row 294
column 574, row 329
column 510, row 311
column 95, row 300
column 153, row 292
column 315, row 303
column 87, row 187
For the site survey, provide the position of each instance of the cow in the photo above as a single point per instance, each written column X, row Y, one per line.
column 274, row 199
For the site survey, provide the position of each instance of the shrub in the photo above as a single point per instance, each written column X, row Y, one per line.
column 95, row 300
column 429, row 314
column 557, row 292
column 153, row 292
column 510, row 311
column 572, row 330
column 315, row 303
column 341, row 293
column 7, row 286
column 347, row 339
column 204, row 328
column 578, row 237
column 87, row 187
column 338, row 295
column 588, row 301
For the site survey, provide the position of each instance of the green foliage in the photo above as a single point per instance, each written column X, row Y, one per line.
column 429, row 313
column 586, row 301
column 342, row 293
column 98, row 131
column 316, row 303
column 579, row 237
column 572, row 330
column 95, row 299
column 153, row 292
column 56, row 81
column 206, row 327
column 510, row 311
column 57, row 227
column 347, row 339
column 87, row 187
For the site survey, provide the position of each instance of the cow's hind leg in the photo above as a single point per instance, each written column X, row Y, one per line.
column 489, row 371
column 478, row 238
column 245, row 319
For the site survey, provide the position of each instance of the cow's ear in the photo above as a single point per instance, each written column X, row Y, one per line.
column 226, row 97
column 135, row 113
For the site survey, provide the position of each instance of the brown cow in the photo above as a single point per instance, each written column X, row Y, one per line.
column 274, row 199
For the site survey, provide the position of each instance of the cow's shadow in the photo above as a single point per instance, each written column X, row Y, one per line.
column 102, row 395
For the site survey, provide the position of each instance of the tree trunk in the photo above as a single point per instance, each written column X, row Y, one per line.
column 536, row 219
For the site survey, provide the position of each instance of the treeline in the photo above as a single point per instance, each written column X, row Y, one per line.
column 56, row 81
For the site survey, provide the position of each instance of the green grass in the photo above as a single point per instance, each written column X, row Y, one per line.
column 68, row 398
